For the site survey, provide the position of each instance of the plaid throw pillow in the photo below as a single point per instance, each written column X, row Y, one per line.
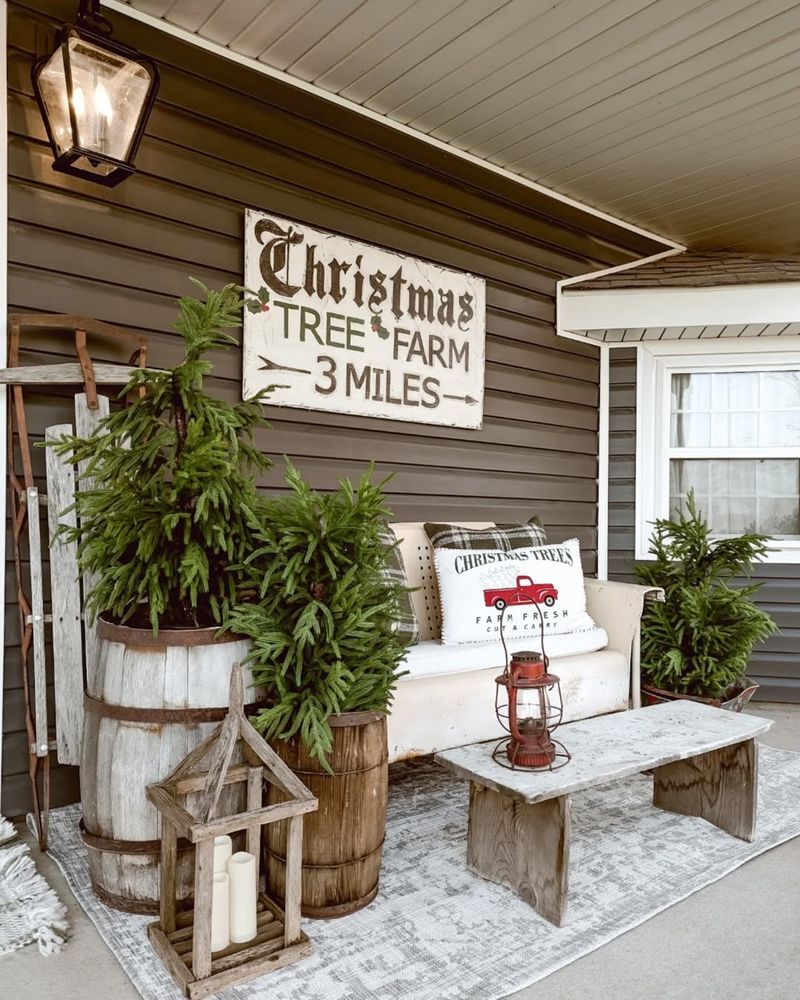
column 406, row 624
column 500, row 537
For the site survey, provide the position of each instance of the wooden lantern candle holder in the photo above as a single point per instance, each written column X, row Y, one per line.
column 183, row 939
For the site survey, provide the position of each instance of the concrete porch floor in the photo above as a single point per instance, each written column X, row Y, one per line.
column 738, row 937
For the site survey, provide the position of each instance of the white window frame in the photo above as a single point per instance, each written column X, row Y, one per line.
column 657, row 361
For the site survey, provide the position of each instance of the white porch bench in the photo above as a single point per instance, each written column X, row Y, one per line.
column 447, row 697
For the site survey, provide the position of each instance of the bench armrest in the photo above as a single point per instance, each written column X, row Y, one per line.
column 617, row 608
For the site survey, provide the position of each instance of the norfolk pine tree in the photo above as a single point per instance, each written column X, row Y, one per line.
column 165, row 529
column 699, row 640
column 323, row 623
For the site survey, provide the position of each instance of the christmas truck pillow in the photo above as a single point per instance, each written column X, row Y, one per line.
column 477, row 586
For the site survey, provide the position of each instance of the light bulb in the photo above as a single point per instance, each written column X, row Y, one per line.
column 78, row 102
column 102, row 102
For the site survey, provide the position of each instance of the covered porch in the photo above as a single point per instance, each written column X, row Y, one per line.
column 539, row 263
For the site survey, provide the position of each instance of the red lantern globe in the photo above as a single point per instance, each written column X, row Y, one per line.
column 529, row 707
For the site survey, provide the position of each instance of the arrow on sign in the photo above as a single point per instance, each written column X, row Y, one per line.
column 461, row 399
column 270, row 366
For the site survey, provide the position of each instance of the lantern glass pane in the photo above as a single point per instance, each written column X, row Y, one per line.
column 109, row 92
column 531, row 707
column 53, row 88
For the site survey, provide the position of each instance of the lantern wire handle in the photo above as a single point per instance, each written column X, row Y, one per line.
column 90, row 17
column 545, row 657
column 503, row 640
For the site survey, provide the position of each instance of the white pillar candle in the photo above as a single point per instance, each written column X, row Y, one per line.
column 223, row 848
column 242, row 879
column 220, row 912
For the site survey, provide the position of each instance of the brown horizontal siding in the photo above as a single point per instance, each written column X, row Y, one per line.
column 776, row 663
column 222, row 139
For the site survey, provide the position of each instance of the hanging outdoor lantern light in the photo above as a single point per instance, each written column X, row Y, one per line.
column 95, row 97
column 529, row 707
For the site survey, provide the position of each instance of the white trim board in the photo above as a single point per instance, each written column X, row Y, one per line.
column 603, row 446
column 603, row 420
column 722, row 305
column 3, row 313
column 254, row 64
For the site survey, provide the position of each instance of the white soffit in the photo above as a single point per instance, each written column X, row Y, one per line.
column 738, row 331
column 676, row 309
column 679, row 116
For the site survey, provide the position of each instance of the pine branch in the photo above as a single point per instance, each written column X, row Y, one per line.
column 323, row 624
column 167, row 527
column 700, row 639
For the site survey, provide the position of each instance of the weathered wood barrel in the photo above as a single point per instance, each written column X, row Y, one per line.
column 149, row 701
column 343, row 839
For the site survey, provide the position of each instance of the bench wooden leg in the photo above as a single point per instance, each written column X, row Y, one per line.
column 719, row 786
column 524, row 847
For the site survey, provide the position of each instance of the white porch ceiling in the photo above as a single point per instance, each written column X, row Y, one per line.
column 679, row 116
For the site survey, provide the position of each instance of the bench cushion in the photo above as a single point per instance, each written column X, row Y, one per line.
column 430, row 658
column 431, row 713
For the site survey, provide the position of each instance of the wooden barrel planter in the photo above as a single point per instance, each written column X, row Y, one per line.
column 343, row 840
column 149, row 701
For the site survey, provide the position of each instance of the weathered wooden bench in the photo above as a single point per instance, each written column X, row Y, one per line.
column 705, row 763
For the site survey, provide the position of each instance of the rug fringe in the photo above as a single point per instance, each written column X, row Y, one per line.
column 44, row 910
column 7, row 831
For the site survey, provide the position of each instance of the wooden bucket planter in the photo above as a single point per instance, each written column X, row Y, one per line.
column 343, row 840
column 149, row 701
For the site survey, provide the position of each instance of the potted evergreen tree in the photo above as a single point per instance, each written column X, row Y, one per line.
column 162, row 534
column 697, row 643
column 327, row 656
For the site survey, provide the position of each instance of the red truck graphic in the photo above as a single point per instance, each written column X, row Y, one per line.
column 525, row 592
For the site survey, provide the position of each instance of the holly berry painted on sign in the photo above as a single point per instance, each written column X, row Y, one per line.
column 353, row 328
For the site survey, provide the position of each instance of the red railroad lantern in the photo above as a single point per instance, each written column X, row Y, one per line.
column 529, row 706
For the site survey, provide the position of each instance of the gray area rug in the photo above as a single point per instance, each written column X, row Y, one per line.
column 436, row 932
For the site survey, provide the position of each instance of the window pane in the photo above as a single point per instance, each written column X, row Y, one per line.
column 691, row 392
column 735, row 410
column 777, row 477
column 732, row 430
column 691, row 430
column 780, row 390
column 779, row 429
column 739, row 495
column 732, row 478
column 733, row 515
column 743, row 430
column 686, row 475
column 734, row 391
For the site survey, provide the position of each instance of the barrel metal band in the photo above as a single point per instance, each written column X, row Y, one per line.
column 145, row 907
column 338, row 774
column 175, row 716
column 111, row 846
column 342, row 864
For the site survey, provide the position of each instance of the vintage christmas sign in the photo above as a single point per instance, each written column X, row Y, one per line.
column 347, row 327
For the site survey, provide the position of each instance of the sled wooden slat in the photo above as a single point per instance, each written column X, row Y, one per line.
column 37, row 624
column 86, row 423
column 66, row 605
column 65, row 374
